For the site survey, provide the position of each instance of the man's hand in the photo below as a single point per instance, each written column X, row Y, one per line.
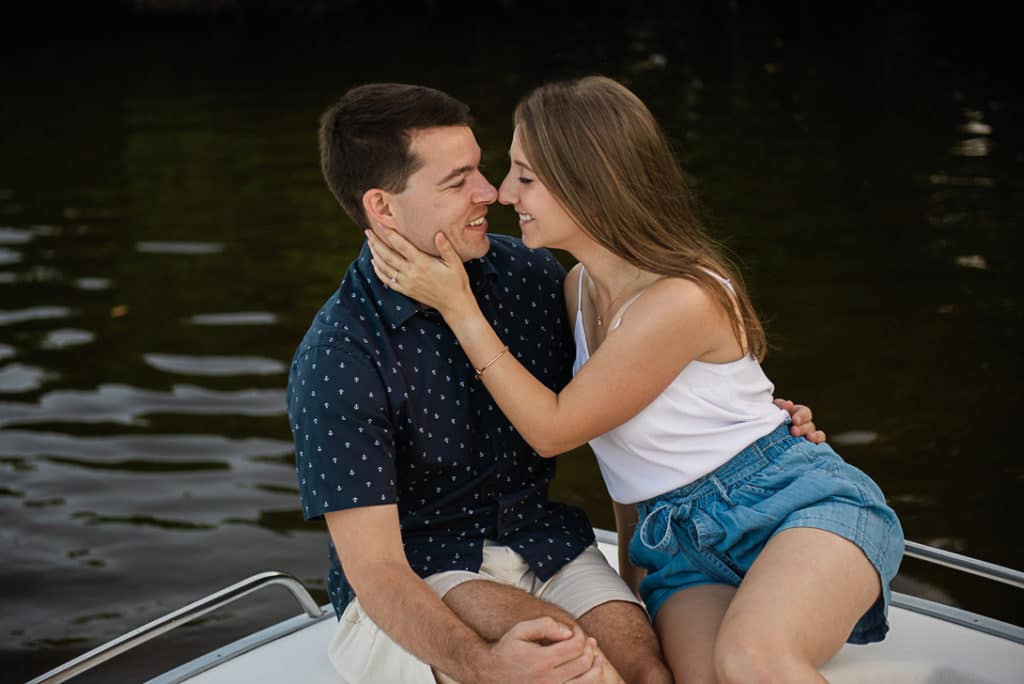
column 601, row 672
column 802, row 425
column 545, row 651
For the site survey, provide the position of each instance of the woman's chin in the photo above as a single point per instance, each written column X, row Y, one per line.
column 532, row 242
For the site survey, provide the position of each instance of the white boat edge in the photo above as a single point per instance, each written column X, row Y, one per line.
column 930, row 643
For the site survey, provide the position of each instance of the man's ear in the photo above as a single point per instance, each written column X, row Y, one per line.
column 377, row 205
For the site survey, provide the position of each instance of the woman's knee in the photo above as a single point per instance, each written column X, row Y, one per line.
column 739, row 661
column 750, row 660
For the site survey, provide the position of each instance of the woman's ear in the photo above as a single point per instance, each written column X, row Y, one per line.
column 378, row 208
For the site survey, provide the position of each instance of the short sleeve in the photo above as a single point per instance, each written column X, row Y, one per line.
column 341, row 423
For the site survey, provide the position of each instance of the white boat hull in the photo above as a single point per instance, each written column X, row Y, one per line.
column 928, row 644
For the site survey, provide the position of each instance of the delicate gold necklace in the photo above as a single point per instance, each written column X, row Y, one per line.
column 600, row 319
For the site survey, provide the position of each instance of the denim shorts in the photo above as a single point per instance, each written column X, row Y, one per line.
column 711, row 530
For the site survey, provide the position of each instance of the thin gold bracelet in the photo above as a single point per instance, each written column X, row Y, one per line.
column 480, row 371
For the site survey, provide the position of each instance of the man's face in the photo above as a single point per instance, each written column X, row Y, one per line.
column 447, row 194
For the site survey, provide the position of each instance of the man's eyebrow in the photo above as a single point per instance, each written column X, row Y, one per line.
column 457, row 172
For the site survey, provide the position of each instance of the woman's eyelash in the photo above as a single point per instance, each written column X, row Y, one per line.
column 525, row 181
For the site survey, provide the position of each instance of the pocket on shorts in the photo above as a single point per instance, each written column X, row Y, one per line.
column 793, row 463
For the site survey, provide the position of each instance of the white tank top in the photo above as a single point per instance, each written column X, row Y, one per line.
column 707, row 415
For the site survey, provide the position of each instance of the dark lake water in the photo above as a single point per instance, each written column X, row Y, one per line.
column 165, row 238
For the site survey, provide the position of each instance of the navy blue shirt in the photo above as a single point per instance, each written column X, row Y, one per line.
column 385, row 409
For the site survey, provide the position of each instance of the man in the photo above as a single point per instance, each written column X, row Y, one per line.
column 437, row 510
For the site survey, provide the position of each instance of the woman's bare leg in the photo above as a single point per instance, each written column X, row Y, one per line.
column 795, row 608
column 688, row 624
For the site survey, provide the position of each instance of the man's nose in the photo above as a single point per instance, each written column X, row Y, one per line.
column 485, row 192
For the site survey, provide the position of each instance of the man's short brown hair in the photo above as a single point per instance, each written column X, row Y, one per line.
column 365, row 138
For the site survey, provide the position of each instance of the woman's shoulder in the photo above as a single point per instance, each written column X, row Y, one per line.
column 678, row 292
column 672, row 302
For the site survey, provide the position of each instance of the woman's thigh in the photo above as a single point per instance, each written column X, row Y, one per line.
column 802, row 596
column 687, row 624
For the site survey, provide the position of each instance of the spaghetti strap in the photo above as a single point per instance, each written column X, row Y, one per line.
column 727, row 284
column 579, row 292
column 622, row 309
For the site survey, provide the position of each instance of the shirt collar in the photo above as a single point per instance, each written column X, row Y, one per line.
column 396, row 308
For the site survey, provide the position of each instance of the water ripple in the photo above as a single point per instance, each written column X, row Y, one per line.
column 854, row 437
column 179, row 247
column 91, row 518
column 132, row 452
column 972, row 147
column 18, row 377
column 961, row 181
column 214, row 365
column 9, row 256
column 976, row 128
column 92, row 283
column 66, row 337
column 239, row 318
column 14, row 236
column 126, row 405
column 33, row 314
column 972, row 261
column 140, row 465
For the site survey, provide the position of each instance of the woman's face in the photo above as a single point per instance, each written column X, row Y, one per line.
column 542, row 220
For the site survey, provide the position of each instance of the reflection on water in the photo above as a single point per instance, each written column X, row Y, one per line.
column 92, row 283
column 240, row 318
column 972, row 147
column 127, row 405
column 282, row 521
column 18, row 378
column 91, row 518
column 214, row 365
column 976, row 128
column 66, row 337
column 163, row 250
column 143, row 452
column 972, row 261
column 853, row 438
column 14, row 236
column 32, row 314
column 179, row 247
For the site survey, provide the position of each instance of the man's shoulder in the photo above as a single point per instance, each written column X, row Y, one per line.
column 342, row 325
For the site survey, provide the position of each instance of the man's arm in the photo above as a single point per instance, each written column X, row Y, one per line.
column 369, row 546
column 803, row 425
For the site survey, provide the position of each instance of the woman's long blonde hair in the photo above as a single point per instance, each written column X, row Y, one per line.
column 599, row 150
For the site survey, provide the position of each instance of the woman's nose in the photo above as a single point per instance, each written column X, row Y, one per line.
column 505, row 194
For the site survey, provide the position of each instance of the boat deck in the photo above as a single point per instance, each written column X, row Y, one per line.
column 929, row 643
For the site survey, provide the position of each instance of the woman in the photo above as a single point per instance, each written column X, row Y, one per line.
column 763, row 553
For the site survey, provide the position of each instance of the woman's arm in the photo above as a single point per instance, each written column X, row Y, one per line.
column 674, row 323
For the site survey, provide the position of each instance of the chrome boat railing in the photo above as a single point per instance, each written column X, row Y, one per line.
column 998, row 573
column 100, row 654
column 192, row 611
